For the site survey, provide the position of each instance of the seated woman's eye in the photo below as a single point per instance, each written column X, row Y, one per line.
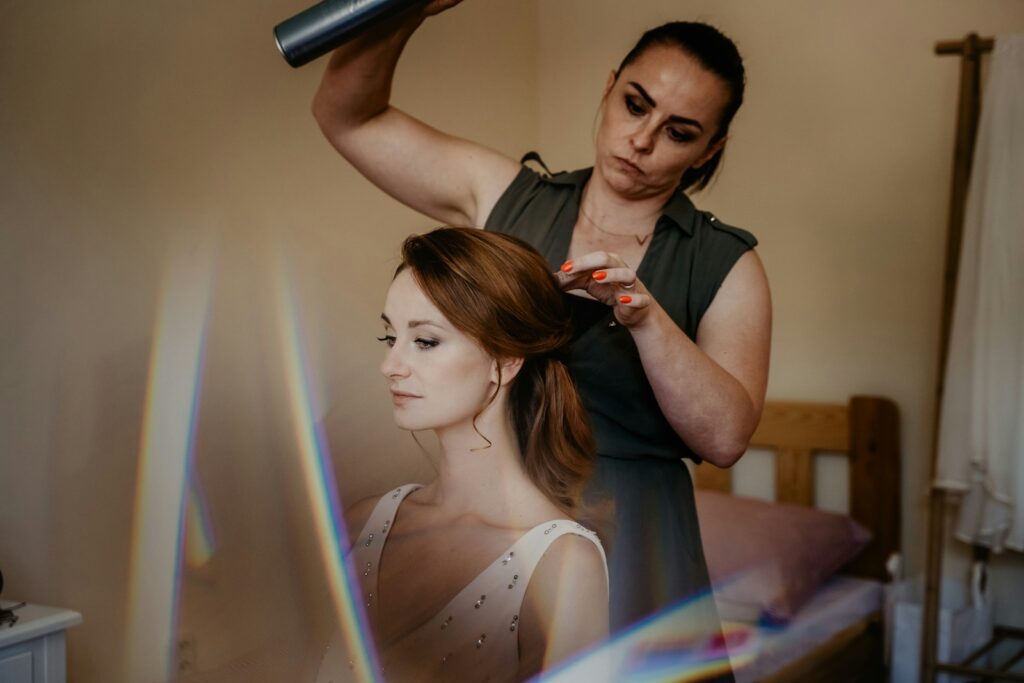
column 388, row 339
column 426, row 343
column 633, row 106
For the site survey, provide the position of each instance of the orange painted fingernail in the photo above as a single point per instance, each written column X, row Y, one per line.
column 600, row 275
column 566, row 267
column 625, row 299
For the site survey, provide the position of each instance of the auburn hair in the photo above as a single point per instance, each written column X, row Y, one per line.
column 499, row 291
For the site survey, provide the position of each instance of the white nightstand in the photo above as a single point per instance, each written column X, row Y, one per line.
column 33, row 650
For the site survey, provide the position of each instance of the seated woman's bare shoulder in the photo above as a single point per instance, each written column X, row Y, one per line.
column 565, row 609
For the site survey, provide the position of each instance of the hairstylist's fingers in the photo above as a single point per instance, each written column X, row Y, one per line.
column 624, row 278
column 594, row 260
column 567, row 279
column 578, row 273
column 631, row 308
column 629, row 300
column 437, row 6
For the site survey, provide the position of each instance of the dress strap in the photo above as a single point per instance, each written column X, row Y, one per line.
column 383, row 516
column 369, row 544
column 522, row 558
column 554, row 530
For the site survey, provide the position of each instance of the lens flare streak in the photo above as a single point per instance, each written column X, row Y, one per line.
column 318, row 475
column 165, row 457
column 200, row 542
column 664, row 648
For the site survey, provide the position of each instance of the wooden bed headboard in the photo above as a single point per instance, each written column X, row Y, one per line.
column 867, row 431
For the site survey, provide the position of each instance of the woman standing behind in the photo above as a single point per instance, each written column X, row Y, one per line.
column 671, row 354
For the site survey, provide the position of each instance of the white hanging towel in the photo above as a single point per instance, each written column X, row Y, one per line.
column 981, row 433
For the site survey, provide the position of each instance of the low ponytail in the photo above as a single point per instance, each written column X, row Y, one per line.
column 554, row 433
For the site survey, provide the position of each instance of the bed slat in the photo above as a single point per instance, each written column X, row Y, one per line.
column 711, row 478
column 794, row 476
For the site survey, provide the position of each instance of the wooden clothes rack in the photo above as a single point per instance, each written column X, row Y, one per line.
column 970, row 50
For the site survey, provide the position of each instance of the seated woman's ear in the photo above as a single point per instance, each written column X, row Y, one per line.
column 510, row 367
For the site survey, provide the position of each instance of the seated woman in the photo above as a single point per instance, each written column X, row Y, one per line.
column 482, row 574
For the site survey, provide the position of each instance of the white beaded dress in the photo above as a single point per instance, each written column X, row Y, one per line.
column 475, row 636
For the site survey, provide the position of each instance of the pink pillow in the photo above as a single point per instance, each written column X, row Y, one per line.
column 767, row 559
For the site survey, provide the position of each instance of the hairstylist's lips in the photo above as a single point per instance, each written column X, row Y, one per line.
column 629, row 166
column 400, row 398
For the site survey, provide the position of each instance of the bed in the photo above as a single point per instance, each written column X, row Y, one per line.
column 837, row 633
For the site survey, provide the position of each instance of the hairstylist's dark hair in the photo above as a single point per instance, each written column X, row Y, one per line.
column 499, row 291
column 716, row 53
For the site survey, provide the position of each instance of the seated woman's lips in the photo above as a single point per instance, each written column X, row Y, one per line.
column 400, row 398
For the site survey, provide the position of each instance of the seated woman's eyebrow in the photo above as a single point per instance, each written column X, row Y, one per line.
column 412, row 323
column 674, row 118
column 420, row 323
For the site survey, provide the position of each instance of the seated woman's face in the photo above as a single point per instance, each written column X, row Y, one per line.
column 438, row 376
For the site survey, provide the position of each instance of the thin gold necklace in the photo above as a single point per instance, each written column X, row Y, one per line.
column 639, row 240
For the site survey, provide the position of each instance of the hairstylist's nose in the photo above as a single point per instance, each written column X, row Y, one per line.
column 643, row 139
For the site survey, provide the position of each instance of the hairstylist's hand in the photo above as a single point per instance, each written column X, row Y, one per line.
column 610, row 280
column 437, row 6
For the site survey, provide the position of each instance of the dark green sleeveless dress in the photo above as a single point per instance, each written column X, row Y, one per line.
column 656, row 559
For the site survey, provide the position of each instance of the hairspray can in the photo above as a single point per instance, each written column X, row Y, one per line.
column 326, row 25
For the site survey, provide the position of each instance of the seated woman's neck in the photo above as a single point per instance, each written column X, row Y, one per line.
column 487, row 481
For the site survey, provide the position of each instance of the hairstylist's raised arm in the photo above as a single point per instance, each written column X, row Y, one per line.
column 452, row 180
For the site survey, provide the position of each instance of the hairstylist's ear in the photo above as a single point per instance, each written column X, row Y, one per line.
column 612, row 77
column 510, row 367
column 713, row 149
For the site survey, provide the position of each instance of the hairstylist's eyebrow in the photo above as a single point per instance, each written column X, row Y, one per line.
column 412, row 323
column 675, row 119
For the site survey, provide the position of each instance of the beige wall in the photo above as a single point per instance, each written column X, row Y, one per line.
column 128, row 127
column 840, row 163
column 125, row 129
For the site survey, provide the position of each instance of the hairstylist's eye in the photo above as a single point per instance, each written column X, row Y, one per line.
column 677, row 135
column 425, row 343
column 388, row 339
column 633, row 106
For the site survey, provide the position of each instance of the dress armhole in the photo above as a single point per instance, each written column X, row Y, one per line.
column 725, row 245
column 512, row 201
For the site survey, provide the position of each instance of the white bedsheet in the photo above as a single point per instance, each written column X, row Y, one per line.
column 840, row 603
